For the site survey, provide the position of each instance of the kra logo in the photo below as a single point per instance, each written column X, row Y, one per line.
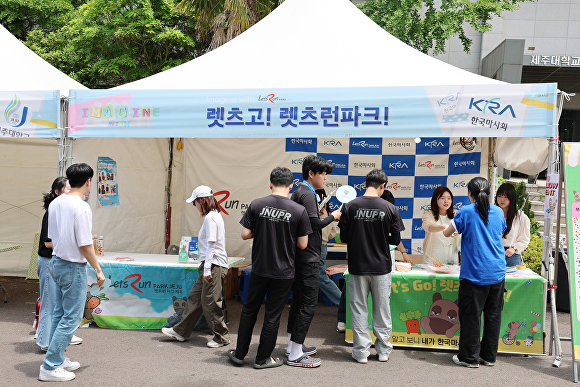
column 491, row 105
column 394, row 186
column 360, row 186
column 297, row 182
column 398, row 165
column 426, row 207
column 14, row 116
column 297, row 161
column 433, row 144
column 332, row 142
column 460, row 184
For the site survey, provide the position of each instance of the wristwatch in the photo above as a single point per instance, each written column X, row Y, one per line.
column 515, row 250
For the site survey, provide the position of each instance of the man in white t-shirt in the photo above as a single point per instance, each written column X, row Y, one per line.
column 69, row 226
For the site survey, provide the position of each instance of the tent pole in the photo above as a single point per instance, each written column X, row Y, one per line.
column 493, row 177
column 64, row 142
column 168, row 197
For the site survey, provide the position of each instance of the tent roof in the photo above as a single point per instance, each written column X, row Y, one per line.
column 23, row 70
column 311, row 44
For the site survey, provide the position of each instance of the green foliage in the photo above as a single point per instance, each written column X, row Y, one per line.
column 22, row 16
column 410, row 315
column 532, row 256
column 523, row 196
column 113, row 42
column 426, row 25
column 534, row 227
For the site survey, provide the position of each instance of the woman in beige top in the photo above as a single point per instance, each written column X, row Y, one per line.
column 435, row 220
column 516, row 236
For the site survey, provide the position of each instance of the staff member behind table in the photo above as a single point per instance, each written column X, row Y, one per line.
column 435, row 220
column 206, row 294
column 516, row 236
column 388, row 196
column 327, row 286
column 482, row 275
column 47, row 285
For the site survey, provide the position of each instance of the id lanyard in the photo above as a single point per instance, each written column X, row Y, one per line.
column 312, row 189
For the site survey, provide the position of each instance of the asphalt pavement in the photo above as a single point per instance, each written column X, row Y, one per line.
column 149, row 358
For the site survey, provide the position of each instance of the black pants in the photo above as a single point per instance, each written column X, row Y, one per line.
column 277, row 290
column 473, row 300
column 304, row 300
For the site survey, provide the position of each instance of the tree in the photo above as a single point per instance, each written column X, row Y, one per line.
column 219, row 21
column 425, row 26
column 113, row 42
column 22, row 16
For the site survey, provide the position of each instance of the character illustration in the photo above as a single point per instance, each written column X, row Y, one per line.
column 529, row 341
column 442, row 319
column 411, row 319
column 577, row 196
column 92, row 303
column 510, row 337
column 178, row 306
column 551, row 205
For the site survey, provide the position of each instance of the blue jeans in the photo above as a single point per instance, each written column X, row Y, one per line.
column 70, row 299
column 327, row 285
column 47, row 294
column 514, row 260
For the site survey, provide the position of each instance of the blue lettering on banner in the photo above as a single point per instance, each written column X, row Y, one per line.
column 464, row 163
column 461, row 201
column 340, row 162
column 297, row 179
column 425, row 185
column 418, row 232
column 399, row 165
column 366, row 146
column 433, row 146
column 301, row 145
column 405, row 207
column 358, row 182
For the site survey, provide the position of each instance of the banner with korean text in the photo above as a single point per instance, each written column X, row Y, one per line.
column 527, row 110
column 29, row 113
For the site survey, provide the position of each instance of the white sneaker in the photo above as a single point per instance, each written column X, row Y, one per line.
column 364, row 360
column 341, row 327
column 383, row 357
column 462, row 363
column 214, row 344
column 75, row 340
column 70, row 365
column 171, row 333
column 44, row 349
column 57, row 375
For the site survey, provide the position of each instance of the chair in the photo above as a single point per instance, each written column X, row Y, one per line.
column 32, row 269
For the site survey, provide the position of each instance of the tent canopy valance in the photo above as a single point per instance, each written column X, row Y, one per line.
column 498, row 110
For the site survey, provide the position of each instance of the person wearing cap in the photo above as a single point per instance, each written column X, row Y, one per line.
column 206, row 294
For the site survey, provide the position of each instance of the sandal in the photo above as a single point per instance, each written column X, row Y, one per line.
column 270, row 363
column 305, row 361
column 305, row 350
column 233, row 358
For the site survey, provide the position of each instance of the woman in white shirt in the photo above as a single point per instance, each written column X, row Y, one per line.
column 435, row 220
column 517, row 234
column 206, row 294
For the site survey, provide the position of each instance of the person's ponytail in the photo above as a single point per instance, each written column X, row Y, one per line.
column 57, row 185
column 479, row 189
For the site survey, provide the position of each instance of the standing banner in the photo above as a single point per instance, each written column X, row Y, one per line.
column 29, row 113
column 571, row 152
column 526, row 110
column 552, row 196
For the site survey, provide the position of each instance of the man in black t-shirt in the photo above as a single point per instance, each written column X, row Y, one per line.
column 306, row 281
column 277, row 226
column 368, row 225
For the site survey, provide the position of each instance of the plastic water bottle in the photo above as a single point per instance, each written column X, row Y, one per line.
column 101, row 246
column 95, row 244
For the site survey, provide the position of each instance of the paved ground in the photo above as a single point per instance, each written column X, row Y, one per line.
column 148, row 358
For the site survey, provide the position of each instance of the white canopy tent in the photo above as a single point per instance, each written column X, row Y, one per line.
column 311, row 44
column 28, row 166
